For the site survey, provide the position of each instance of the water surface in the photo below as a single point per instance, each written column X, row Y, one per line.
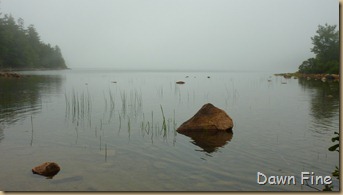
column 105, row 129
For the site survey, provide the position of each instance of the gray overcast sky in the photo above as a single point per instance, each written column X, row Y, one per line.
column 179, row 34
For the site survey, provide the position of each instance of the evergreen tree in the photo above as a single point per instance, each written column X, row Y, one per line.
column 21, row 47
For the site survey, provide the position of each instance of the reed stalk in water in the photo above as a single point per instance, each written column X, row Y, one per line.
column 31, row 131
column 105, row 152
column 164, row 125
column 129, row 126
column 100, row 142
column 119, row 122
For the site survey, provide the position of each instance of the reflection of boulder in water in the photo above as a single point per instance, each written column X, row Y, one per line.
column 209, row 141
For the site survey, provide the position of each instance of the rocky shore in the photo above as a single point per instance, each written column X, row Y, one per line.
column 10, row 75
column 6, row 73
column 322, row 77
column 30, row 69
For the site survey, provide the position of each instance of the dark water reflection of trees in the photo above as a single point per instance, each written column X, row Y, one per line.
column 324, row 100
column 20, row 98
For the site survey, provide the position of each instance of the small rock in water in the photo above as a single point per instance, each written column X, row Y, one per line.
column 48, row 169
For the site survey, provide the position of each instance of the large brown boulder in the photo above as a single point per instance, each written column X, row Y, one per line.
column 48, row 169
column 208, row 118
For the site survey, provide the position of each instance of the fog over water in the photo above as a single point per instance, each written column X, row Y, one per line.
column 229, row 35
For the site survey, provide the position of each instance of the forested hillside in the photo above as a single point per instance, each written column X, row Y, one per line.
column 21, row 48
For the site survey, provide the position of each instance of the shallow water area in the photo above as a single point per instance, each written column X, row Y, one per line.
column 113, row 130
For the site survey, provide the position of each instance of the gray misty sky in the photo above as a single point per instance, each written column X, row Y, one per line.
column 179, row 34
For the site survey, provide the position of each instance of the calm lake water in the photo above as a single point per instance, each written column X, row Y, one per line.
column 104, row 128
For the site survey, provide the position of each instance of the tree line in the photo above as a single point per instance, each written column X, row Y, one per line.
column 326, row 50
column 21, row 48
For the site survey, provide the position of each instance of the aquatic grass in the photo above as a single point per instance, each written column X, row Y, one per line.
column 112, row 102
column 31, row 131
column 123, row 101
column 73, row 105
column 82, row 105
column 100, row 142
column 105, row 152
column 142, row 125
column 160, row 92
column 129, row 127
column 119, row 122
column 169, row 121
column 174, row 123
column 77, row 135
column 112, row 105
column 78, row 107
column 140, row 99
column 152, row 134
column 134, row 102
column 152, row 119
column 147, row 126
column 67, row 104
column 128, row 123
column 137, row 101
column 89, row 109
column 164, row 125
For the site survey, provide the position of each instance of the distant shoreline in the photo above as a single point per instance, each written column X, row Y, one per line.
column 30, row 69
column 13, row 72
column 333, row 77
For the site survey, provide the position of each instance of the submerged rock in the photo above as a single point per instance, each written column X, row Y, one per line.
column 48, row 169
column 208, row 118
